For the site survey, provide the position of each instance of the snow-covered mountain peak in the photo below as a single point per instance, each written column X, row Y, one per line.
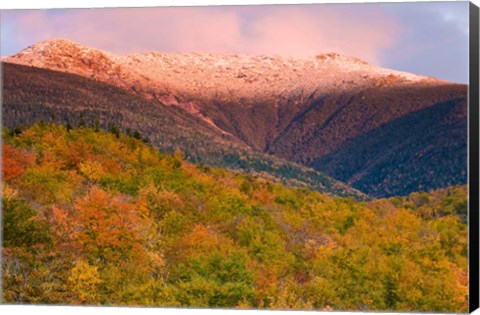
column 222, row 75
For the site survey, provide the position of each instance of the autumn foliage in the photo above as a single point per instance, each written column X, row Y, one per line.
column 92, row 218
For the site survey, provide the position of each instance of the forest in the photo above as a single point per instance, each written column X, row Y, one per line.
column 92, row 217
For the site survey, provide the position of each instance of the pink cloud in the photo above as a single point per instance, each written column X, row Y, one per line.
column 293, row 31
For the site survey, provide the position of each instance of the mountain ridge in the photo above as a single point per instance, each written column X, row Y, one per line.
column 302, row 110
column 187, row 80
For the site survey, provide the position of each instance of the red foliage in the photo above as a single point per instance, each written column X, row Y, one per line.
column 110, row 226
column 15, row 162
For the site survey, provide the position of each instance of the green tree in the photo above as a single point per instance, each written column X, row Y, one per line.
column 21, row 225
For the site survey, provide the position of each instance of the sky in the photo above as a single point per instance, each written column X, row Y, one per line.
column 423, row 38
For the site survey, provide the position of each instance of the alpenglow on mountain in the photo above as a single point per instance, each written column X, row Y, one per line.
column 381, row 131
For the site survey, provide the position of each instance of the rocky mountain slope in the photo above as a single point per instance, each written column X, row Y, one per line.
column 307, row 111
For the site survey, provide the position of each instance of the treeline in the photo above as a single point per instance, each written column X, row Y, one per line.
column 82, row 122
column 94, row 218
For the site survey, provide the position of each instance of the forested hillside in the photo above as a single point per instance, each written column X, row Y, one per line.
column 32, row 94
column 94, row 217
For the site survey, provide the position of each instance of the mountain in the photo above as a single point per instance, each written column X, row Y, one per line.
column 334, row 113
column 32, row 94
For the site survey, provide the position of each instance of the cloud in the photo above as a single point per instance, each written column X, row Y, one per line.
column 435, row 40
column 363, row 31
column 425, row 38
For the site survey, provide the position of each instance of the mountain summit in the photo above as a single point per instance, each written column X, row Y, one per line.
column 335, row 113
column 214, row 74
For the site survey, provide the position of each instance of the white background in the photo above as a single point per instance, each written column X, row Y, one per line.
column 54, row 310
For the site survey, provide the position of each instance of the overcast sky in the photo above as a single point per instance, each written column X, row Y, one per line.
column 424, row 38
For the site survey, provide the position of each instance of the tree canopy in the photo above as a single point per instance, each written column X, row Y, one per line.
column 92, row 217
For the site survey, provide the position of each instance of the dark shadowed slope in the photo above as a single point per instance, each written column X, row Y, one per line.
column 423, row 150
column 396, row 129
